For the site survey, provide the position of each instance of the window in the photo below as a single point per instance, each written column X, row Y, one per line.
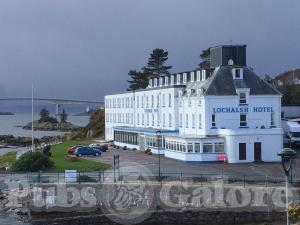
column 155, row 82
column 184, row 78
column 147, row 102
column 170, row 100
column 137, row 102
column 242, row 151
column 192, row 77
column 186, row 120
column 163, row 100
column 142, row 101
column 164, row 120
column 243, row 99
column 243, row 120
column 166, row 81
column 213, row 120
column 198, row 75
column 190, row 147
column 207, row 147
column 143, row 119
column 152, row 119
column 150, row 82
column 180, row 120
column 272, row 119
column 152, row 101
column 190, row 103
column 197, row 147
column 147, row 119
column 170, row 120
column 237, row 74
column 193, row 120
column 158, row 119
column 158, row 100
column 199, row 102
column 219, row 147
column 178, row 78
column 200, row 121
column 138, row 119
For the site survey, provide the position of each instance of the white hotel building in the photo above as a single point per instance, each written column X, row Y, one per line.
column 226, row 113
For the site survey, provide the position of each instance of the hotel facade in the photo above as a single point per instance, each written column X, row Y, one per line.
column 226, row 113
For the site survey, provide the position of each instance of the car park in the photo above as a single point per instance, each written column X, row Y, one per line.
column 82, row 151
column 72, row 149
column 102, row 147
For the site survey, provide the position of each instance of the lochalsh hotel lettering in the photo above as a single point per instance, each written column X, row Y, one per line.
column 242, row 109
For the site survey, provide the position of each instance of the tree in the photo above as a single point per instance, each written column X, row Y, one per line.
column 155, row 66
column 32, row 161
column 63, row 117
column 205, row 57
column 44, row 115
column 139, row 80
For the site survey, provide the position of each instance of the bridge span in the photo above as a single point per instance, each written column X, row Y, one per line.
column 56, row 101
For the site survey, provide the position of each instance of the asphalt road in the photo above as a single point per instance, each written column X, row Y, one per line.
column 132, row 160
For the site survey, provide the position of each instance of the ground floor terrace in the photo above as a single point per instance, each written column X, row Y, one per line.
column 228, row 146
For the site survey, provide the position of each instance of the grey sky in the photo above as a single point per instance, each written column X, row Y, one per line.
column 84, row 49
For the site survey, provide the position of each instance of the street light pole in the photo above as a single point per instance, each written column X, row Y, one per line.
column 287, row 155
column 158, row 136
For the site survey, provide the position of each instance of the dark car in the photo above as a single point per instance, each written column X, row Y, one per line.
column 72, row 149
column 81, row 151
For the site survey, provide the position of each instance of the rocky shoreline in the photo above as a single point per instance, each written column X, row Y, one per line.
column 48, row 126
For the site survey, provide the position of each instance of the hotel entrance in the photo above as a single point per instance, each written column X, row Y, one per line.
column 257, row 151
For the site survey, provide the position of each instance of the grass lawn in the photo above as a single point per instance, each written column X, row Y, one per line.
column 61, row 163
column 8, row 158
column 59, row 157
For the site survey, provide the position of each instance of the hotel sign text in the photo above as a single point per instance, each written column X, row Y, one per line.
column 241, row 109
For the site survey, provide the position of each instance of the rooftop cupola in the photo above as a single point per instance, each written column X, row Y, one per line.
column 228, row 55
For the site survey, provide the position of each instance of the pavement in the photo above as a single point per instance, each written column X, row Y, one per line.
column 132, row 160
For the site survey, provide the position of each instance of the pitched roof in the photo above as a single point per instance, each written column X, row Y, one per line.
column 222, row 83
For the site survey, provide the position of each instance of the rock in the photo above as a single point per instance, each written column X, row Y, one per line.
column 48, row 126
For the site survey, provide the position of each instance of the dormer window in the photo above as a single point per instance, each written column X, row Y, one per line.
column 160, row 81
column 192, row 76
column 198, row 75
column 155, row 82
column 203, row 75
column 178, row 78
column 172, row 80
column 150, row 82
column 184, row 78
column 166, row 81
column 237, row 73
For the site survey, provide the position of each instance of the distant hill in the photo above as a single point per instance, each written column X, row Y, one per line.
column 288, row 78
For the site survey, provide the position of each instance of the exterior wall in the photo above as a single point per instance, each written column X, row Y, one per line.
column 191, row 157
column 178, row 109
column 151, row 108
column 271, row 144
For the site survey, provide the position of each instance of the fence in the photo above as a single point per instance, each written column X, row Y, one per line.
column 22, row 151
column 132, row 177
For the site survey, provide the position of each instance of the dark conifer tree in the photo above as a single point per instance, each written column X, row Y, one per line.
column 138, row 80
column 155, row 66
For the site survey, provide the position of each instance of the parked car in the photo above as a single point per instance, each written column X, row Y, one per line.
column 102, row 147
column 72, row 149
column 291, row 130
column 80, row 151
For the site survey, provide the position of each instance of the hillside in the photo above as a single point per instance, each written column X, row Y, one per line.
column 288, row 78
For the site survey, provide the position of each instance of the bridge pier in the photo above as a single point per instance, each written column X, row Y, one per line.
column 57, row 109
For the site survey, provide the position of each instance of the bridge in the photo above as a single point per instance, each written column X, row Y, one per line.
column 56, row 101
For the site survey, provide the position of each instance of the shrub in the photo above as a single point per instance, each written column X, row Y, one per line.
column 32, row 161
column 85, row 178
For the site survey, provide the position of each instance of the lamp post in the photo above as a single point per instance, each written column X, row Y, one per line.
column 158, row 136
column 287, row 155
